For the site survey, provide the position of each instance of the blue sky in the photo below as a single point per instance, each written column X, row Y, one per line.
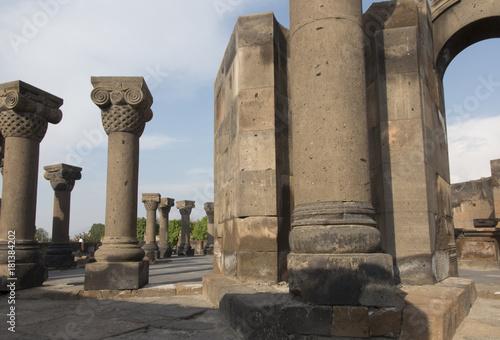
column 57, row 45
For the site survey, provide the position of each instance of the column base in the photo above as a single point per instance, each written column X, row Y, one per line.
column 343, row 279
column 185, row 250
column 59, row 261
column 150, row 251
column 28, row 275
column 209, row 249
column 165, row 250
column 116, row 275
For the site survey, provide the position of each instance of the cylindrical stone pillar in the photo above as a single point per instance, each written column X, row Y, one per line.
column 165, row 250
column 185, row 249
column 25, row 112
column 62, row 178
column 209, row 209
column 125, row 104
column 151, row 202
column 333, row 221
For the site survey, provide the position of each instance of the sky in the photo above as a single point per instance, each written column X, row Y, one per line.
column 177, row 46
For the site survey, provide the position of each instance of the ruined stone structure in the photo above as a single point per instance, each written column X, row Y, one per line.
column 331, row 148
column 164, row 248
column 151, row 202
column 271, row 160
column 476, row 215
column 25, row 112
column 209, row 247
column 184, row 248
column 62, row 178
column 125, row 103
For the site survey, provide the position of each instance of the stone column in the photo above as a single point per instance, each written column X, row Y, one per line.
column 151, row 202
column 165, row 250
column 62, row 178
column 184, row 248
column 125, row 104
column 333, row 259
column 25, row 112
column 209, row 248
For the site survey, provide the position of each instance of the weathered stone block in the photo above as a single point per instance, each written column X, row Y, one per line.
column 256, row 66
column 257, row 266
column 257, row 109
column 351, row 322
column 116, row 275
column 400, row 52
column 346, row 279
column 302, row 319
column 256, row 150
column 255, row 30
column 402, row 100
column 257, row 234
column 404, row 144
column 385, row 322
column 256, row 192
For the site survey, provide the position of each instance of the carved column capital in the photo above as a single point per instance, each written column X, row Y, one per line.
column 209, row 208
column 151, row 201
column 25, row 110
column 185, row 207
column 62, row 177
column 125, row 103
column 165, row 205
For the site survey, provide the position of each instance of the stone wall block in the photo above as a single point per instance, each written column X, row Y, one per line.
column 256, row 192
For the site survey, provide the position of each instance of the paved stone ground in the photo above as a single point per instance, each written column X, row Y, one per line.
column 177, row 317
column 483, row 321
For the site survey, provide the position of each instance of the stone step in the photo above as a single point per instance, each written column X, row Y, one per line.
column 421, row 312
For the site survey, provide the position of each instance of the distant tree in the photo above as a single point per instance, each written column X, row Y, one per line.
column 174, row 229
column 42, row 235
column 96, row 233
column 141, row 228
column 200, row 229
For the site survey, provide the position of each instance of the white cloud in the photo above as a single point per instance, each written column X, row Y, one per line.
column 154, row 142
column 472, row 145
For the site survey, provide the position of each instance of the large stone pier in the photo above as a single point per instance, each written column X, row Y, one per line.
column 125, row 103
column 25, row 112
column 334, row 242
column 62, row 178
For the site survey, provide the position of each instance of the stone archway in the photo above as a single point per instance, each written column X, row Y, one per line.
column 457, row 24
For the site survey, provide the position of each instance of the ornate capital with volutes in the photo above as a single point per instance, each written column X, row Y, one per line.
column 185, row 207
column 62, row 177
column 165, row 204
column 125, row 103
column 151, row 201
column 209, row 208
column 25, row 110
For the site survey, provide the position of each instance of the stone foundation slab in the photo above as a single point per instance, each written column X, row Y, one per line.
column 116, row 275
column 59, row 261
column 28, row 275
column 343, row 279
column 259, row 311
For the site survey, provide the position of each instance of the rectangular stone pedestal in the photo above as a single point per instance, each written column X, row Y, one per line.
column 343, row 279
column 28, row 275
column 116, row 275
column 59, row 261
